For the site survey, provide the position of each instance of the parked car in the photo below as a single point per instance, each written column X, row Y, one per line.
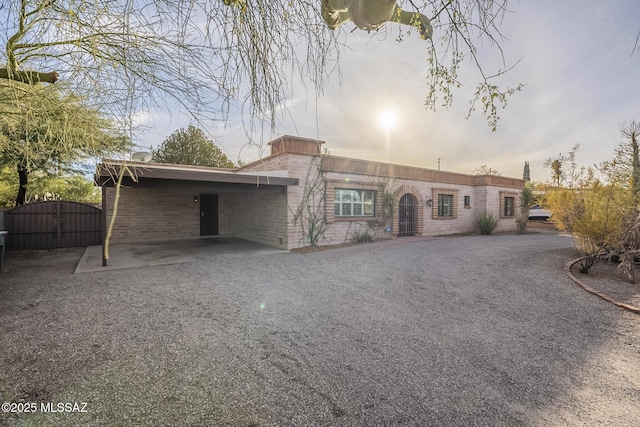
column 537, row 212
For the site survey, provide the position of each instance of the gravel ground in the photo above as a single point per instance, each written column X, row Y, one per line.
column 477, row 330
column 606, row 277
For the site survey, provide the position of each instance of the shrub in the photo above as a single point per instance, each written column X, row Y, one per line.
column 361, row 237
column 486, row 223
column 526, row 201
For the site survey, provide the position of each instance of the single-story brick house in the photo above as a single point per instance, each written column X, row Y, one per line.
column 299, row 196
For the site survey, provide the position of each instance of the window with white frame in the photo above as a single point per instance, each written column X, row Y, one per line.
column 354, row 202
column 445, row 204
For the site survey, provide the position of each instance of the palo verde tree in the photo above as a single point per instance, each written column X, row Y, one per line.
column 130, row 56
column 191, row 147
column 43, row 128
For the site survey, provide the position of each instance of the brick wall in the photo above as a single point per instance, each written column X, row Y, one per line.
column 153, row 214
column 162, row 211
column 484, row 193
column 429, row 222
column 260, row 218
column 483, row 198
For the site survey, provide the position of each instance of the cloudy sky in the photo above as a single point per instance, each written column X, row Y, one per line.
column 582, row 83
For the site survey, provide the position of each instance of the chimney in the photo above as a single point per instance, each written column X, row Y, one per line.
column 295, row 144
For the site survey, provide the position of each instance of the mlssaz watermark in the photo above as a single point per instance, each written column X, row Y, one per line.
column 46, row 407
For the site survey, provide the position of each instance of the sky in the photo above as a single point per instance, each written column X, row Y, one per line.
column 577, row 61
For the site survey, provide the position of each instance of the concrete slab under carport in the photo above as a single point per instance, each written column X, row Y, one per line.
column 173, row 252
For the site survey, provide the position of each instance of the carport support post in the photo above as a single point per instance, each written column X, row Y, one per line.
column 104, row 224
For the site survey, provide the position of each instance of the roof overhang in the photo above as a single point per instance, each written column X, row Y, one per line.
column 108, row 171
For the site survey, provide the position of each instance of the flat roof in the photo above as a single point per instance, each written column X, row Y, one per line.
column 108, row 170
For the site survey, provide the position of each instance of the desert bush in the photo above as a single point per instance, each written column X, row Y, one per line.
column 361, row 237
column 594, row 214
column 486, row 222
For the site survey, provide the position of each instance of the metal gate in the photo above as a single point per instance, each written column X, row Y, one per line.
column 55, row 224
column 407, row 215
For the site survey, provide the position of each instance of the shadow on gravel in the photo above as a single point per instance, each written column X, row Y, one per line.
column 483, row 330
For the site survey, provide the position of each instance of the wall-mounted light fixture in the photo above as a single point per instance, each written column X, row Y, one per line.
column 429, row 203
column 195, row 199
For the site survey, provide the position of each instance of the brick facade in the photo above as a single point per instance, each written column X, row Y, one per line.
column 302, row 158
column 279, row 215
column 167, row 211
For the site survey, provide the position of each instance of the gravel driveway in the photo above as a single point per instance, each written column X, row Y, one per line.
column 478, row 330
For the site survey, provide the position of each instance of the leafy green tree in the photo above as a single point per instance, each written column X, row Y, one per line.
column 74, row 188
column 42, row 186
column 8, row 186
column 44, row 128
column 191, row 147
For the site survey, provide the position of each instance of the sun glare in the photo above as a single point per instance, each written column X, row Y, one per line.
column 388, row 119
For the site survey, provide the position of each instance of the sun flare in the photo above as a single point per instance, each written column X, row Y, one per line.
column 388, row 119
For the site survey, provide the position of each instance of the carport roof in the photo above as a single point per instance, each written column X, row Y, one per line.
column 108, row 170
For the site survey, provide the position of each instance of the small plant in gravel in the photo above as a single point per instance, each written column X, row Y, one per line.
column 486, row 222
column 362, row 237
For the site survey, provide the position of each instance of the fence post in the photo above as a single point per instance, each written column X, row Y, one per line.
column 103, row 225
column 59, row 237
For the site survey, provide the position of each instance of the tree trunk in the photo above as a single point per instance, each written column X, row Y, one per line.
column 635, row 165
column 29, row 77
column 23, row 175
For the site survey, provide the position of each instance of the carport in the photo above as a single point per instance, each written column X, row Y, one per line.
column 163, row 202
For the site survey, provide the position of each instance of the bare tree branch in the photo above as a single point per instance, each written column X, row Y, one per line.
column 131, row 56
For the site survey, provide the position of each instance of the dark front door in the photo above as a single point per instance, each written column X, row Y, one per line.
column 407, row 217
column 208, row 214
